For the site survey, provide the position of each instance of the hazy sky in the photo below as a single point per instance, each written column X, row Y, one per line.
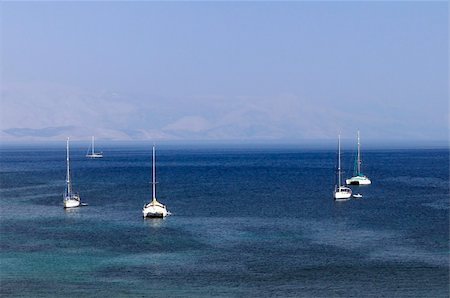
column 224, row 70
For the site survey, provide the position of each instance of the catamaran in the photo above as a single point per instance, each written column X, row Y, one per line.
column 341, row 192
column 358, row 177
column 70, row 199
column 93, row 154
column 154, row 208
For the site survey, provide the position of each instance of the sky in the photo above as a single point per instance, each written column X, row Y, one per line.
column 224, row 71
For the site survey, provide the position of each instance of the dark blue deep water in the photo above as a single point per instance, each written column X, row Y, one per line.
column 246, row 223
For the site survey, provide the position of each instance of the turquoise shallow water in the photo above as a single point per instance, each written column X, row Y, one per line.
column 245, row 223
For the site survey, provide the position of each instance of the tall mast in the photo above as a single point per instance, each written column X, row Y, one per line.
column 93, row 145
column 153, row 174
column 69, row 191
column 359, row 155
column 339, row 160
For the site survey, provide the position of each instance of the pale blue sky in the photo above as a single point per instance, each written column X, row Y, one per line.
column 224, row 70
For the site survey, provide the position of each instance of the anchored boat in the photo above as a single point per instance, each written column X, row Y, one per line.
column 70, row 198
column 341, row 192
column 358, row 177
column 93, row 154
column 154, row 209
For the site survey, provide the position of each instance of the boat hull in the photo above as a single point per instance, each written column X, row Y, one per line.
column 358, row 180
column 154, row 211
column 340, row 197
column 154, row 215
column 71, row 202
column 94, row 155
column 342, row 193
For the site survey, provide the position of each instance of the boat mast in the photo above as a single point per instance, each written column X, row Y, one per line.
column 153, row 174
column 93, row 145
column 339, row 160
column 69, row 190
column 359, row 156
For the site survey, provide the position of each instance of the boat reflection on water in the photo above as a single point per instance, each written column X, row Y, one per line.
column 72, row 212
column 154, row 222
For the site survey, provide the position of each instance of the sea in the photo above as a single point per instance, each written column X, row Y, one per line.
column 245, row 222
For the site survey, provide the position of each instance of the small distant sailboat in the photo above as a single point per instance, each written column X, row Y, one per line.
column 358, row 178
column 93, row 154
column 341, row 193
column 154, row 209
column 357, row 195
column 71, row 199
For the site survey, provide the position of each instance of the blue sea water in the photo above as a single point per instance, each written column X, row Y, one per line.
column 246, row 222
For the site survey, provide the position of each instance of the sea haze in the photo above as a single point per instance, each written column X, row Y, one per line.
column 246, row 222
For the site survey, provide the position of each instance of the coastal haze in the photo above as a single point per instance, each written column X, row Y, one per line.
column 241, row 71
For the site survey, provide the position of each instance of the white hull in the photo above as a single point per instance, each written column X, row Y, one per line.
column 72, row 202
column 154, row 210
column 95, row 155
column 342, row 193
column 358, row 180
column 341, row 196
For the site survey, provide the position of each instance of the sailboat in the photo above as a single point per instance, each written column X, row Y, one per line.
column 341, row 192
column 358, row 178
column 154, row 208
column 70, row 199
column 93, row 154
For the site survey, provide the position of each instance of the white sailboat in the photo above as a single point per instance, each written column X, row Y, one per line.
column 154, row 208
column 341, row 192
column 93, row 154
column 358, row 178
column 70, row 198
